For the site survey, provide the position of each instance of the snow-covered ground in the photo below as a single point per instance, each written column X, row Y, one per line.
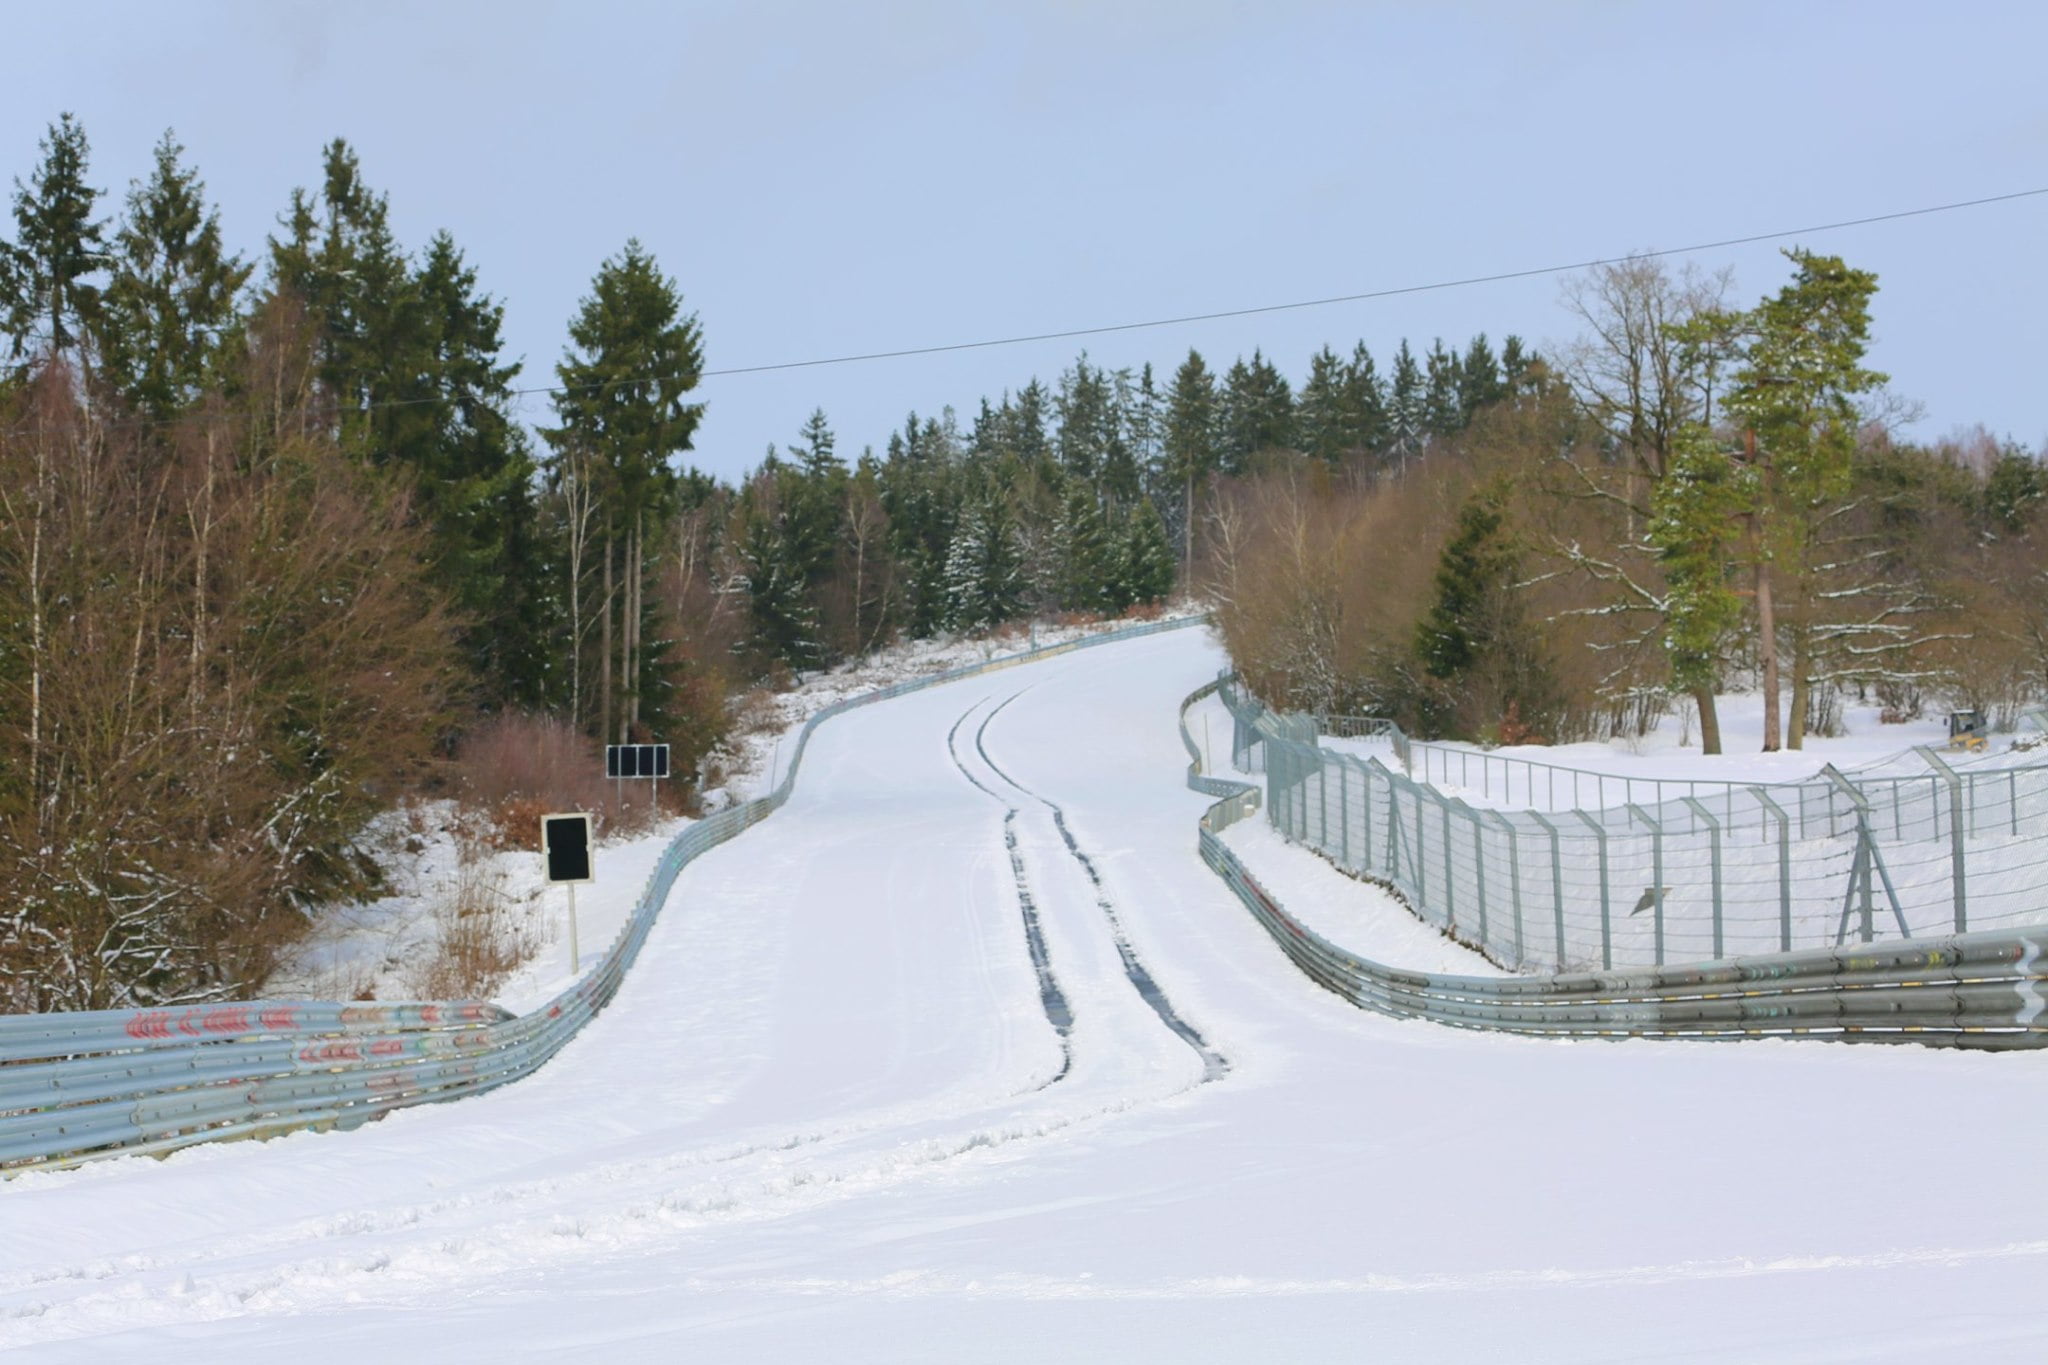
column 1502, row 777
column 386, row 948
column 435, row 858
column 834, row 1114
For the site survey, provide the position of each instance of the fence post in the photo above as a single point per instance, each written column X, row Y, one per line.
column 1344, row 809
column 1365, row 811
column 1556, row 887
column 1418, row 852
column 1784, row 867
column 1957, row 859
column 1714, row 856
column 1656, row 891
column 1514, row 881
column 1606, row 903
column 1478, row 864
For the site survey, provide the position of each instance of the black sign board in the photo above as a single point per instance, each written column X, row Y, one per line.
column 636, row 760
column 566, row 841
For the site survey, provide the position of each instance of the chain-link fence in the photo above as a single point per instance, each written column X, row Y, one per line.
column 1671, row 871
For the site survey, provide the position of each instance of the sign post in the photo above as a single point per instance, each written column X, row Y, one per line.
column 565, row 846
column 622, row 761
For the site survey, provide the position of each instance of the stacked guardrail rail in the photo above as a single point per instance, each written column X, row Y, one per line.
column 83, row 1085
column 1974, row 990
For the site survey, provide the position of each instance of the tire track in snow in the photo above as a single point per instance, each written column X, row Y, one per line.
column 1214, row 1064
column 1051, row 998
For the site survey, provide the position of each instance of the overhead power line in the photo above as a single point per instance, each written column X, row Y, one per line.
column 1108, row 329
column 1460, row 283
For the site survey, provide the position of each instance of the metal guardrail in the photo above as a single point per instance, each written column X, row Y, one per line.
column 1982, row 990
column 83, row 1085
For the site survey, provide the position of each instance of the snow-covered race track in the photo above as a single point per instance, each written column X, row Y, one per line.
column 964, row 1055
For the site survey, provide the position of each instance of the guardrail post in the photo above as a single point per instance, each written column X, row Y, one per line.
column 1957, row 858
column 1784, row 866
column 1606, row 902
column 1656, row 891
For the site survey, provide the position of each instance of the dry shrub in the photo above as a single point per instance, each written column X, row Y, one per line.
column 516, row 767
column 481, row 938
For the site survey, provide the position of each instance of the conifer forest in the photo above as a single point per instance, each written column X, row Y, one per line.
column 276, row 543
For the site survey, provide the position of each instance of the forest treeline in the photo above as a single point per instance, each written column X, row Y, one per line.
column 1690, row 496
column 275, row 546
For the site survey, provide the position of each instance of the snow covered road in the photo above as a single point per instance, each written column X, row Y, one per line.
column 843, row 1109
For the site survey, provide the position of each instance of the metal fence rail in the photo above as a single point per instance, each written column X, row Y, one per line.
column 1976, row 990
column 1681, row 872
column 83, row 1085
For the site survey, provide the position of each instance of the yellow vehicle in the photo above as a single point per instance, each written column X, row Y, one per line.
column 1966, row 730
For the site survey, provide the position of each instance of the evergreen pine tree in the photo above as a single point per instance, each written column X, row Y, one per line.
column 340, row 259
column 1515, row 365
column 984, row 571
column 1188, row 443
column 1364, row 405
column 1324, row 428
column 1255, row 412
column 1086, row 561
column 475, row 475
column 1479, row 380
column 1442, row 411
column 634, row 357
column 1147, row 559
column 50, row 299
column 1407, row 412
column 170, row 305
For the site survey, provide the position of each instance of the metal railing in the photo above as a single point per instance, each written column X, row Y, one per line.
column 1976, row 990
column 81, row 1085
column 1687, row 872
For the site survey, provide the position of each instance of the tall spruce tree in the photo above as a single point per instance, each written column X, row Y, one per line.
column 170, row 308
column 474, row 474
column 1363, row 402
column 1146, row 559
column 1322, row 422
column 1189, row 441
column 50, row 297
column 1255, row 412
column 339, row 258
column 1407, row 412
column 633, row 360
column 1443, row 411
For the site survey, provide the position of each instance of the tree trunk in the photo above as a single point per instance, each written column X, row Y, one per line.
column 1710, row 720
column 1767, row 652
column 1796, row 722
column 604, row 642
column 629, row 639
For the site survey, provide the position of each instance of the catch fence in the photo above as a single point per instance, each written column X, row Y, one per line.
column 1980, row 990
column 1669, row 872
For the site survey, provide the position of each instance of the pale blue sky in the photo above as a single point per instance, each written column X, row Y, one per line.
column 832, row 178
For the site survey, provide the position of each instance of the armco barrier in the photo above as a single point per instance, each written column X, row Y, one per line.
column 1981, row 990
column 78, row 1086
